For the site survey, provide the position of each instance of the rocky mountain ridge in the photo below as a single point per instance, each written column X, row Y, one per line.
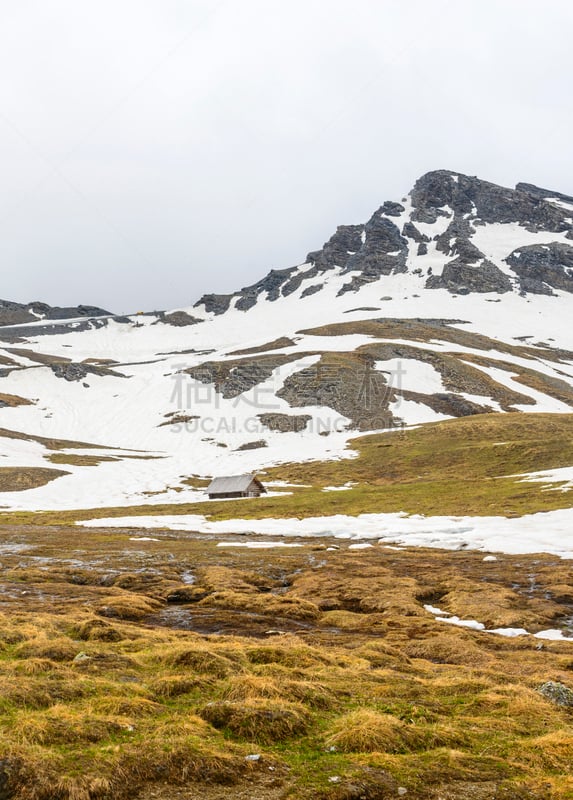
column 12, row 313
column 441, row 216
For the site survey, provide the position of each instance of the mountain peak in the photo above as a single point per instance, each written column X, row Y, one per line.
column 441, row 233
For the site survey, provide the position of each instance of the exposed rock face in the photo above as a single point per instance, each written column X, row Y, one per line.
column 392, row 209
column 346, row 241
column 310, row 290
column 260, row 443
column 542, row 266
column 461, row 278
column 455, row 241
column 543, row 194
column 285, row 423
column 271, row 284
column 77, row 372
column 491, row 203
column 232, row 378
column 20, row 313
column 179, row 319
column 412, row 232
column 215, row 303
column 347, row 383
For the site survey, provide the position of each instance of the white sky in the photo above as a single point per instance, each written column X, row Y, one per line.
column 153, row 150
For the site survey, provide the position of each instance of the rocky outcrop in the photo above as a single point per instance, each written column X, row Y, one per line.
column 178, row 319
column 257, row 445
column 335, row 253
column 270, row 285
column 310, row 290
column 459, row 277
column 412, row 232
column 392, row 209
column 543, row 194
column 285, row 423
column 77, row 372
column 20, row 313
column 215, row 303
column 232, row 378
column 347, row 383
column 543, row 267
column 486, row 201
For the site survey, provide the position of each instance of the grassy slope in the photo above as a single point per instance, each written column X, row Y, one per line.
column 453, row 467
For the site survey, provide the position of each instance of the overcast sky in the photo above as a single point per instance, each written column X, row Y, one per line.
column 153, row 150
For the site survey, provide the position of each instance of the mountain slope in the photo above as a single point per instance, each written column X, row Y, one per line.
column 453, row 302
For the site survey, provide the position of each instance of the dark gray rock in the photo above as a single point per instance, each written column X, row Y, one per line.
column 246, row 301
column 542, row 194
column 392, row 209
column 455, row 241
column 310, row 290
column 335, row 253
column 294, row 283
column 285, row 423
column 260, row 443
column 487, row 201
column 215, row 303
column 461, row 278
column 70, row 312
column 270, row 286
column 454, row 405
column 533, row 286
column 232, row 378
column 20, row 313
column 77, row 372
column 179, row 319
column 422, row 249
column 427, row 215
column 384, row 252
column 412, row 232
column 543, row 264
column 557, row 693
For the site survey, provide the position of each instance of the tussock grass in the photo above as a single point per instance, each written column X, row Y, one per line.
column 259, row 720
column 94, row 707
column 281, row 606
column 53, row 649
column 169, row 686
column 96, row 630
column 366, row 731
column 202, row 661
column 128, row 606
column 256, row 687
column 448, row 648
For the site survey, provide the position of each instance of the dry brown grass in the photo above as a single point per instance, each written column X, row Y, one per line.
column 448, row 648
column 261, row 721
column 442, row 711
column 366, row 731
column 20, row 479
column 13, row 400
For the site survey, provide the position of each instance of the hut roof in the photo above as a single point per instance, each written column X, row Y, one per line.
column 232, row 483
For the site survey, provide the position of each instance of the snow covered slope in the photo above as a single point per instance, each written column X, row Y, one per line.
column 455, row 301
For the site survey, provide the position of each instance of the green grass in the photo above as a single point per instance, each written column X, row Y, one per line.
column 461, row 466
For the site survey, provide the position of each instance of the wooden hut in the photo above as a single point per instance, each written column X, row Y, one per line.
column 235, row 486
